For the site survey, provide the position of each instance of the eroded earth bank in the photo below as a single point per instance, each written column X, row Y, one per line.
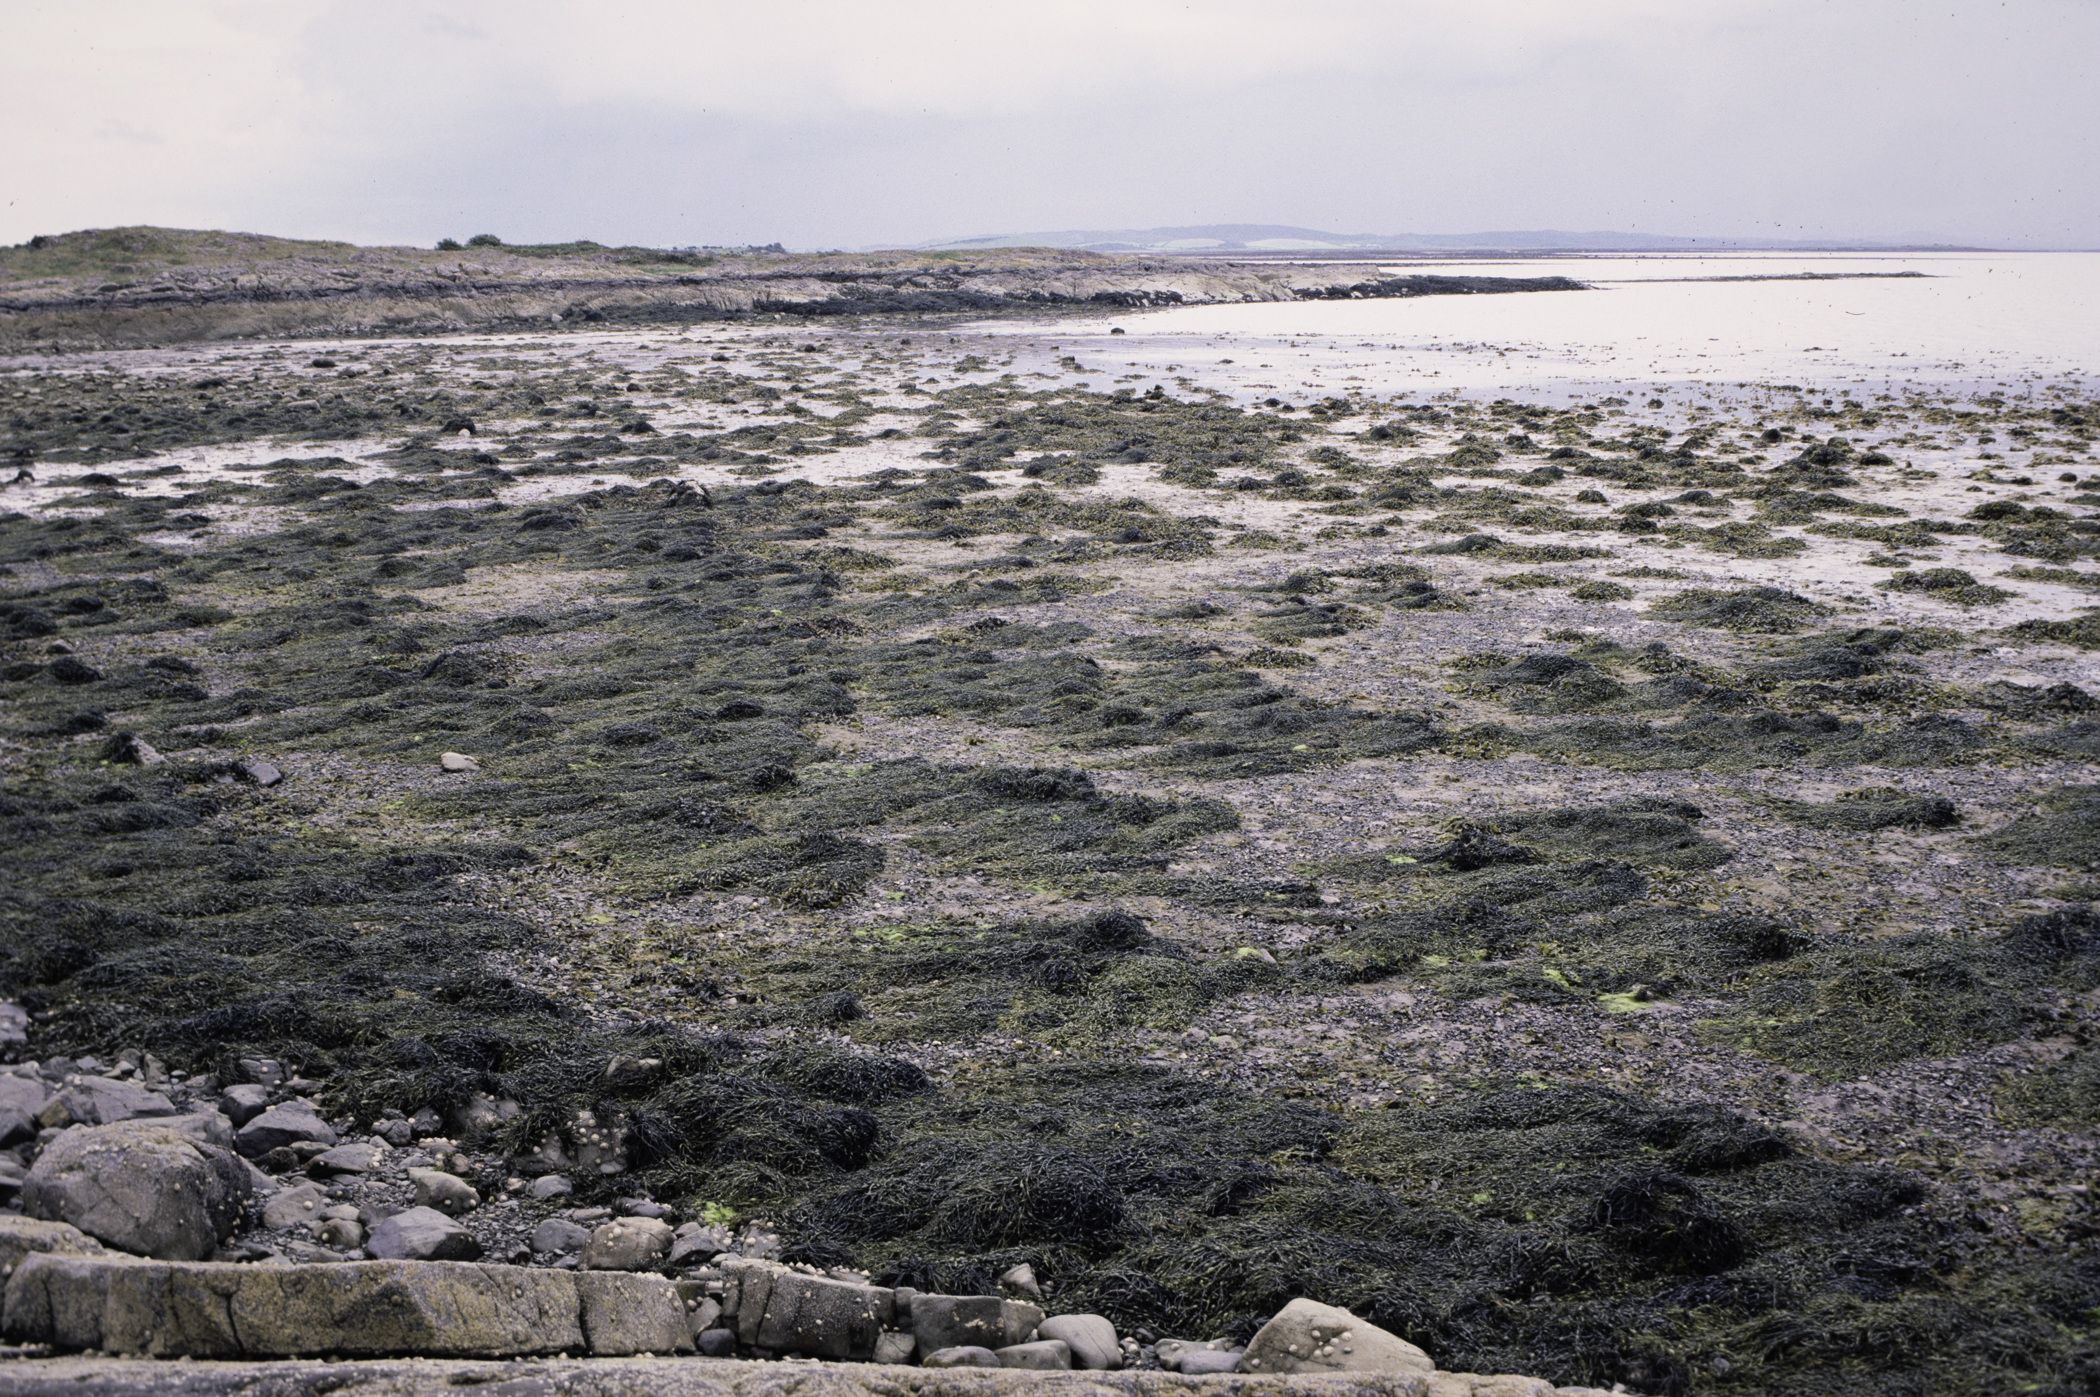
column 1601, row 890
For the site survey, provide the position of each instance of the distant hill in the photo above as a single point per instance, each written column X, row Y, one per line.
column 1214, row 238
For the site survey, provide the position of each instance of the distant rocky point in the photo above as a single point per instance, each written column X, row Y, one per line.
column 121, row 287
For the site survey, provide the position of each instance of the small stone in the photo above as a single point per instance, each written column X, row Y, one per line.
column 893, row 1347
column 294, row 1206
column 699, row 1245
column 130, row 749
column 559, row 1235
column 961, row 1356
column 624, row 1072
column 482, row 1114
column 1021, row 1281
column 1210, row 1360
column 395, row 1132
column 628, row 1244
column 262, row 773
column 284, row 1125
column 344, row 1159
column 425, row 1122
column 1044, row 1354
column 14, row 1025
column 447, row 1193
column 716, row 1343
column 342, row 1233
column 243, row 1103
column 422, row 1234
column 262, row 1071
column 458, row 761
column 645, row 1208
column 549, row 1186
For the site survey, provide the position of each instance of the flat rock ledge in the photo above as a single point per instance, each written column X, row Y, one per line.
column 126, row 1313
column 447, row 1309
column 703, row 1377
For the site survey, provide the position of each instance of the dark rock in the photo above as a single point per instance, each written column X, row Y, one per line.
column 243, row 1103
column 958, row 1321
column 283, row 1126
column 344, row 1159
column 559, row 1235
column 422, row 1234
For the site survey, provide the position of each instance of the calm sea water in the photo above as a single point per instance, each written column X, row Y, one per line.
column 1971, row 321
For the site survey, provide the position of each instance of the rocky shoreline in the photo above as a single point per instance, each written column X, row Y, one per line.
column 1599, row 890
column 145, row 286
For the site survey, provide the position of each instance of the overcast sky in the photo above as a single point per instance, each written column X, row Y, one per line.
column 857, row 123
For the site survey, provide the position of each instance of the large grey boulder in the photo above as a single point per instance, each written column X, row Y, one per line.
column 1091, row 1338
column 287, row 1124
column 141, row 1188
column 792, row 1312
column 106, row 1101
column 438, row 1309
column 422, row 1234
column 628, row 1244
column 1308, row 1337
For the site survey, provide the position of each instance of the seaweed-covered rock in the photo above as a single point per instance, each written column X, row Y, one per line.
column 140, row 1188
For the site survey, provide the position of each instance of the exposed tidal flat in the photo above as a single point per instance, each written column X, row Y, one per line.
column 1465, row 811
